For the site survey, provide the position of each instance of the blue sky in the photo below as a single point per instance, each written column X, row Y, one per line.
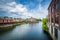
column 24, row 8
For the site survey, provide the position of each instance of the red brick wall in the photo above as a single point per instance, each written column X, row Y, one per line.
column 1, row 20
column 52, row 15
column 6, row 21
column 59, row 13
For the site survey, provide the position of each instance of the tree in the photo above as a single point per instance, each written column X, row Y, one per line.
column 44, row 25
column 44, row 20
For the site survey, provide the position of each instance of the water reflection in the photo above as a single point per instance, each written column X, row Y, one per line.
column 25, row 31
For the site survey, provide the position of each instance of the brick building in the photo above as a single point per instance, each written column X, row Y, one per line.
column 32, row 19
column 10, row 20
column 6, row 20
column 54, row 19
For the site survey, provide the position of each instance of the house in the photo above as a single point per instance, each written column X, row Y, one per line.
column 32, row 19
column 54, row 19
column 6, row 20
column 20, row 19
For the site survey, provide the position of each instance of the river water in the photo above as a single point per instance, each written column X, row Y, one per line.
column 25, row 32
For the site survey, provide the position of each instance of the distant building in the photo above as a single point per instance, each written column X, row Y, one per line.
column 54, row 19
column 6, row 20
column 20, row 19
column 32, row 19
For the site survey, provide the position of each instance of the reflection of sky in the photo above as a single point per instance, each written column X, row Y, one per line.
column 25, row 31
column 16, row 33
column 24, row 8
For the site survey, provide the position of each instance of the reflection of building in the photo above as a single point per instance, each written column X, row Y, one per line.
column 54, row 19
column 32, row 19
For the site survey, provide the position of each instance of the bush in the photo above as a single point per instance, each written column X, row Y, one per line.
column 44, row 25
column 44, row 20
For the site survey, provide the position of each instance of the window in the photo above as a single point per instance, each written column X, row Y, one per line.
column 56, row 4
column 52, row 9
column 56, row 18
column 56, row 32
column 51, row 29
column 52, row 20
column 57, row 14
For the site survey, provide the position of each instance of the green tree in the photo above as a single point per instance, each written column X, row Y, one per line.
column 44, row 25
column 44, row 20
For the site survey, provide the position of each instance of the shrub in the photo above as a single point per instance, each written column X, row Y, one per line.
column 44, row 25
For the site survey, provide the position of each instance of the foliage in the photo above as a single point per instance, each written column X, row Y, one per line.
column 44, row 20
column 44, row 25
column 38, row 19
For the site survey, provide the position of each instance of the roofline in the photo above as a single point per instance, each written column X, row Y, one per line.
column 50, row 4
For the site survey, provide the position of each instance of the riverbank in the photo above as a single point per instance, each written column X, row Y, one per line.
column 7, row 27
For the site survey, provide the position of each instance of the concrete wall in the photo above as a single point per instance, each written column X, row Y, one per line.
column 58, row 34
column 53, row 34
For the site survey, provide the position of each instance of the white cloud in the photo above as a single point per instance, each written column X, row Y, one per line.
column 40, row 12
column 11, row 4
column 19, row 8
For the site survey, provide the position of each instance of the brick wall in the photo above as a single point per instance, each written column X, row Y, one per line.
column 52, row 12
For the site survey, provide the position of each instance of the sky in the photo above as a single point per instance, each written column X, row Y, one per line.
column 24, row 8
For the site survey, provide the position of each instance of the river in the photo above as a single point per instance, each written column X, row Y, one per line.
column 25, row 32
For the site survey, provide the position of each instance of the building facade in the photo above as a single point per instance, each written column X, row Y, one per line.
column 54, row 19
column 32, row 19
